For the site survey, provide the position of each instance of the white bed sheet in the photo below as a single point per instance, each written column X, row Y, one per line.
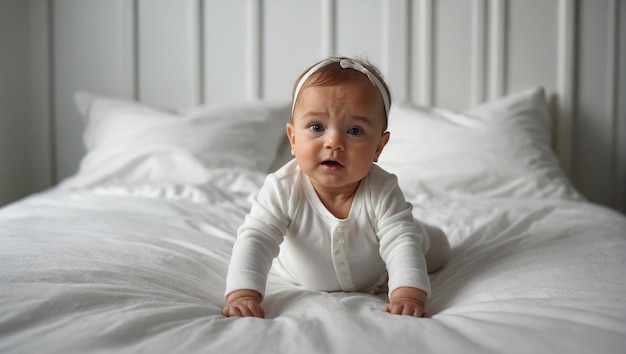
column 142, row 269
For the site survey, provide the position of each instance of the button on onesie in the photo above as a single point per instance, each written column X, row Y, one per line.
column 339, row 256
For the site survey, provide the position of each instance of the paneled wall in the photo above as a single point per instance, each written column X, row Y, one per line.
column 448, row 53
column 14, row 125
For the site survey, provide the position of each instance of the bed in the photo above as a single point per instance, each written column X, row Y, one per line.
column 130, row 253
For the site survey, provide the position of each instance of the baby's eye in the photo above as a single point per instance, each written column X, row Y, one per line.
column 316, row 127
column 354, row 131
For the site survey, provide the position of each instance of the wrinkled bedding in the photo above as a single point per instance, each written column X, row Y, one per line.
column 130, row 253
column 142, row 269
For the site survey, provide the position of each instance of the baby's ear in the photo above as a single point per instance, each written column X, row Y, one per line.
column 384, row 139
column 291, row 135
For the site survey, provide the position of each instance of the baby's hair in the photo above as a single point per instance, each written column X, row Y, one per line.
column 331, row 71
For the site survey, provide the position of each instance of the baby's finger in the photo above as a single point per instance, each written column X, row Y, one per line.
column 418, row 312
column 395, row 308
column 245, row 311
column 258, row 312
column 231, row 311
column 252, row 309
column 409, row 310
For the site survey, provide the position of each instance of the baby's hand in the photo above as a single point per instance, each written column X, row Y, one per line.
column 244, row 303
column 407, row 301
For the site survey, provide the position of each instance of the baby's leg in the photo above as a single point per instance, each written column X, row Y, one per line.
column 439, row 252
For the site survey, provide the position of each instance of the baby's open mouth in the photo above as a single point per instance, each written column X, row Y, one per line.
column 331, row 163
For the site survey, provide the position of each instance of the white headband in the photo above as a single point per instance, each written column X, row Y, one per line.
column 346, row 64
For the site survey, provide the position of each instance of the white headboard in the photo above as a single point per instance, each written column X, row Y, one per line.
column 448, row 53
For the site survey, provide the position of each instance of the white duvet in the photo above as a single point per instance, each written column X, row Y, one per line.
column 142, row 269
column 130, row 254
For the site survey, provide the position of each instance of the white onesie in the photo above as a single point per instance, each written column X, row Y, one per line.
column 379, row 246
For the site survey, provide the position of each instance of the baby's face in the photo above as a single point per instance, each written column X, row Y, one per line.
column 337, row 132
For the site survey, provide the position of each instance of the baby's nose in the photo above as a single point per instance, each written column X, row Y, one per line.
column 334, row 140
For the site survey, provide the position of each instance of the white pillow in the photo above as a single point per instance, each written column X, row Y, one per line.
column 500, row 149
column 130, row 143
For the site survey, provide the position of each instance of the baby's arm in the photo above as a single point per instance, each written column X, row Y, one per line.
column 401, row 248
column 257, row 244
column 407, row 301
column 243, row 303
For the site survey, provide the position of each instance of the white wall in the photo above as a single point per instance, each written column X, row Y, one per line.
column 450, row 53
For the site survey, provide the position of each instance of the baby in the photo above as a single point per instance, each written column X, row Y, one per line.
column 340, row 222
